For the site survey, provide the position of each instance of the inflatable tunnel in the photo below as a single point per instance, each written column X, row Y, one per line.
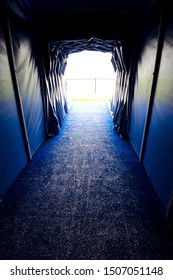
column 36, row 38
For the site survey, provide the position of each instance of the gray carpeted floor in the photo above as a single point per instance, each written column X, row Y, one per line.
column 84, row 196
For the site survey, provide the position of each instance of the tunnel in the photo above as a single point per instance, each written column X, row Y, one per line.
column 36, row 40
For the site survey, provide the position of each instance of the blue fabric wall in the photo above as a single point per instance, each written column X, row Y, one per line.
column 142, row 89
column 158, row 159
column 13, row 155
column 27, row 62
column 158, row 156
column 12, row 150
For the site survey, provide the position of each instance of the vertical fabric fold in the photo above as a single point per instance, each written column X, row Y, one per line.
column 54, row 67
column 119, row 100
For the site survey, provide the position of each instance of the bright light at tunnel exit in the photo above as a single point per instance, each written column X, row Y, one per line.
column 90, row 75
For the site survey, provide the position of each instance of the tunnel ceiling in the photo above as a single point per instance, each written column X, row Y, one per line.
column 71, row 21
column 40, row 8
column 66, row 19
column 83, row 15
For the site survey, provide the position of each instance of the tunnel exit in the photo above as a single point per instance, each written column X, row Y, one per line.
column 90, row 75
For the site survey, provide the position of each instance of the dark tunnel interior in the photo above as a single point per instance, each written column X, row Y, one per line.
column 36, row 39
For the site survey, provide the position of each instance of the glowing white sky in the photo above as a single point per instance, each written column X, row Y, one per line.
column 89, row 64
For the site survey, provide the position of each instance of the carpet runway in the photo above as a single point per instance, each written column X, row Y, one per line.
column 84, row 196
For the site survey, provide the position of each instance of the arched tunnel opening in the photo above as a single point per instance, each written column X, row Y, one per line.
column 86, row 180
column 59, row 52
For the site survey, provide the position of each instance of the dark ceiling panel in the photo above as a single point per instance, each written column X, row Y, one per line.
column 116, row 20
column 40, row 8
